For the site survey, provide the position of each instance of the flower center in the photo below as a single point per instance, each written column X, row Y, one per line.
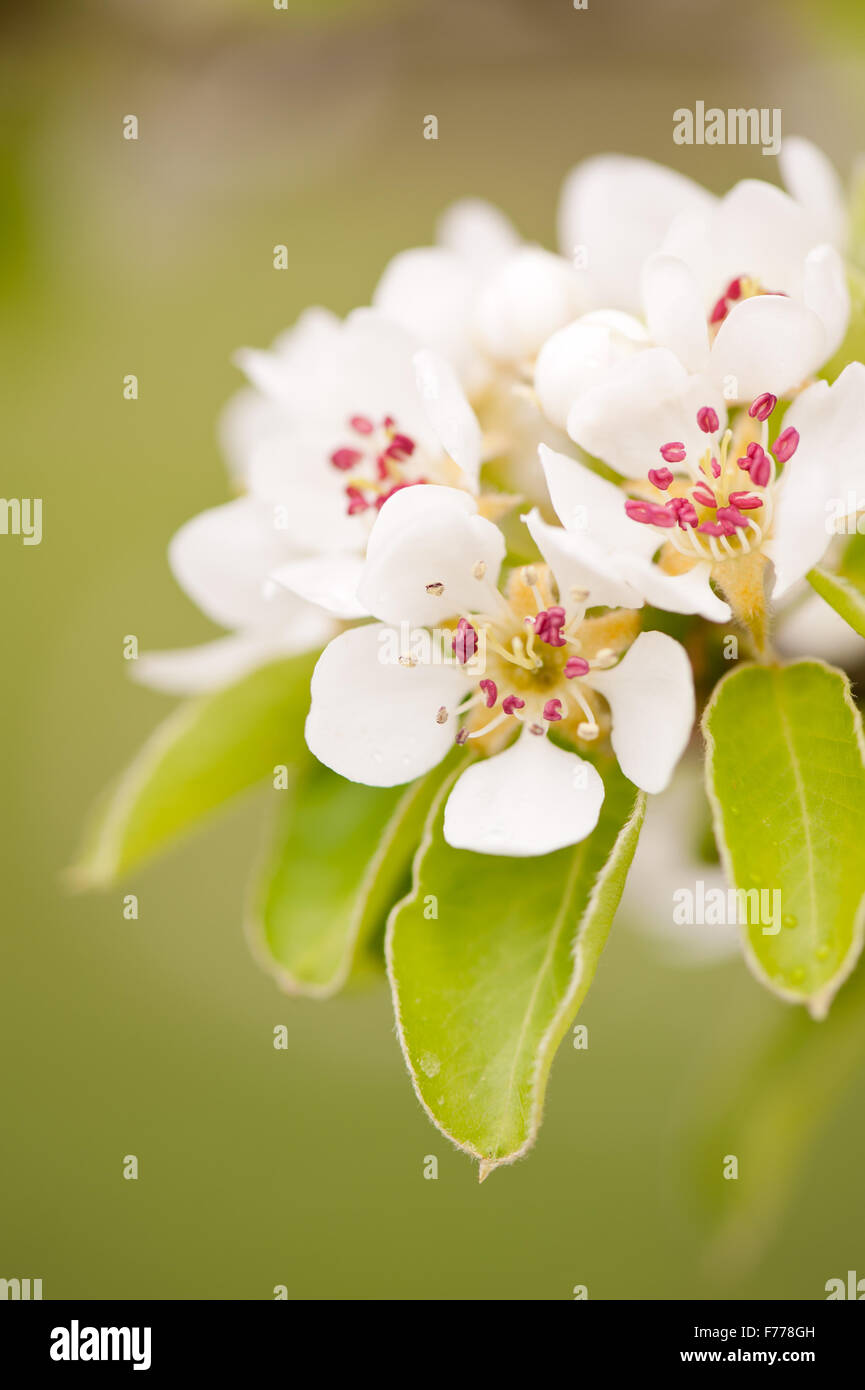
column 535, row 651
column 715, row 515
column 377, row 462
column 743, row 287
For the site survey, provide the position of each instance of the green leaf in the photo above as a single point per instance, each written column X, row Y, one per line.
column 340, row 859
column 786, row 780
column 489, row 959
column 210, row 749
column 845, row 590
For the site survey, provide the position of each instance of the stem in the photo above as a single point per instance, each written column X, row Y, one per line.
column 743, row 584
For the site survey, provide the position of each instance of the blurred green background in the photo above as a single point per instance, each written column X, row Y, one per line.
column 154, row 1037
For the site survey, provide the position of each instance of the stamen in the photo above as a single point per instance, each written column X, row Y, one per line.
column 684, row 511
column 761, row 468
column 673, row 452
column 745, row 501
column 553, row 711
column 479, row 570
column 576, row 666
column 763, row 406
column 344, row 459
column 785, row 445
column 511, row 703
column 548, row 625
column 589, row 723
column 660, row 478
column 703, row 494
column 361, row 424
column 437, row 589
column 733, row 515
column 488, row 728
column 491, row 692
column 442, row 715
column 465, row 641
column 649, row 513
column 719, row 312
column 356, row 501
column 707, row 419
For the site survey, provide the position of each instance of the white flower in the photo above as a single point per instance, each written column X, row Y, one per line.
column 614, row 212
column 740, row 297
column 363, row 414
column 481, row 298
column 524, row 662
column 345, row 415
column 725, row 505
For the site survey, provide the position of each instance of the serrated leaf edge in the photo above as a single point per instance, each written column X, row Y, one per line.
column 818, row 1004
column 567, row 1009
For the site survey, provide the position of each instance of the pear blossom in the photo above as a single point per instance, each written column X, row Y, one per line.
column 364, row 413
column 718, row 515
column 280, row 564
column 481, row 298
column 515, row 665
column 614, row 212
column 739, row 296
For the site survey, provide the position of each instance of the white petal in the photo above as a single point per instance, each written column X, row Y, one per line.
column 429, row 535
column 288, row 373
column 826, row 293
column 305, row 494
column 643, row 403
column 589, row 505
column 579, row 356
column 578, row 562
column 651, row 698
column 755, row 230
column 674, row 310
column 198, row 670
column 315, row 331
column 617, row 210
column 813, row 181
column 825, row 479
column 531, row 295
column 531, row 799
column 478, row 233
column 690, row 592
column 768, row 343
column 831, row 425
column 451, row 416
column 222, row 558
column 374, row 374
column 373, row 720
column 328, row 581
column 244, row 423
column 430, row 291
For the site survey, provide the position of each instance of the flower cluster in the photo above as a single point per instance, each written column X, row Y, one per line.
column 677, row 339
